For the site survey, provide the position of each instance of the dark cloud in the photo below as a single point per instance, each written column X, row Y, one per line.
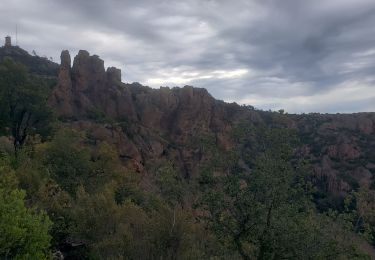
column 304, row 56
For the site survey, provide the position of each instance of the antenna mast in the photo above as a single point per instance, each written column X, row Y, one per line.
column 16, row 34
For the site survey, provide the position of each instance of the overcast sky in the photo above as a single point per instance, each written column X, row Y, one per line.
column 299, row 55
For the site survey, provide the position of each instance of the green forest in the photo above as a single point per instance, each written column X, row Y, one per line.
column 63, row 192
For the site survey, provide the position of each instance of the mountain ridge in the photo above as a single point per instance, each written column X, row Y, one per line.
column 181, row 113
column 146, row 124
column 122, row 153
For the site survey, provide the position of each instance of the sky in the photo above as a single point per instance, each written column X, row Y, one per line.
column 298, row 55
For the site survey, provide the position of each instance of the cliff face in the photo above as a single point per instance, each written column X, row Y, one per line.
column 153, row 118
column 149, row 125
column 342, row 147
column 80, row 87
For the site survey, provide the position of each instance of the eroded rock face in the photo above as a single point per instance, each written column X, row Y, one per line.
column 65, row 60
column 362, row 122
column 347, row 140
column 114, row 74
column 88, row 73
column 366, row 125
column 344, row 151
column 327, row 177
column 62, row 96
column 87, row 91
column 161, row 124
column 115, row 136
column 85, row 88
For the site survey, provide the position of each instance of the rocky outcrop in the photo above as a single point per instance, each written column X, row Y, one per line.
column 88, row 73
column 147, row 125
column 156, row 118
column 344, row 151
column 114, row 74
column 327, row 178
column 86, row 88
column 361, row 122
column 62, row 97
column 346, row 141
column 114, row 135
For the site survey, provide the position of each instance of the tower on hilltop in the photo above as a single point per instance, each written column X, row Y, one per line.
column 8, row 41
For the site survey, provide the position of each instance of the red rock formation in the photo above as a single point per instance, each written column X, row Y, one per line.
column 62, row 96
column 344, row 151
column 151, row 124
column 86, row 90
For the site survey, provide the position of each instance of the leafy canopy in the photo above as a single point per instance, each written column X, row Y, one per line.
column 24, row 232
column 23, row 103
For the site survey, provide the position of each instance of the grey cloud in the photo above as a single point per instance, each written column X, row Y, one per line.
column 292, row 49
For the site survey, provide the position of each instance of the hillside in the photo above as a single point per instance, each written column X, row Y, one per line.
column 154, row 124
column 37, row 65
column 118, row 139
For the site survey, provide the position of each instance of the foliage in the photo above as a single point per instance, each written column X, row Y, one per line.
column 23, row 103
column 72, row 164
column 24, row 232
column 126, row 230
column 170, row 184
column 359, row 213
column 252, row 199
column 267, row 213
column 68, row 163
column 99, row 116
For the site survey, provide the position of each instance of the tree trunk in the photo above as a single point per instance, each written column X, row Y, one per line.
column 240, row 249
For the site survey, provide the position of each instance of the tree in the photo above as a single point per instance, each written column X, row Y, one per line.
column 170, row 185
column 71, row 163
column 68, row 162
column 266, row 213
column 23, row 103
column 360, row 212
column 24, row 232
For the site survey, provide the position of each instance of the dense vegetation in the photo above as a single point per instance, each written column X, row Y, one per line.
column 61, row 192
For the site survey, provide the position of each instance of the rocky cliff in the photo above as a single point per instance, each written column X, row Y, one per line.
column 342, row 149
column 149, row 125
column 152, row 118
